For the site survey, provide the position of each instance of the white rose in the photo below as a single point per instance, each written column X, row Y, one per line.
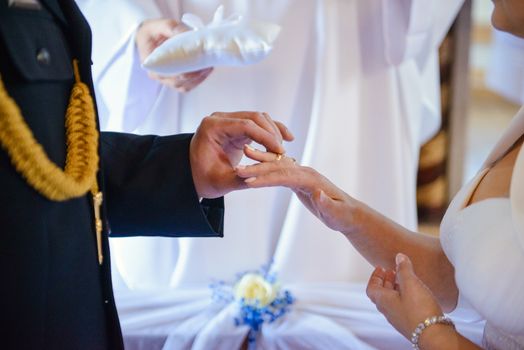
column 254, row 288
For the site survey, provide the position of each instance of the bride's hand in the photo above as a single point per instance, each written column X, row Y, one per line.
column 404, row 299
column 325, row 200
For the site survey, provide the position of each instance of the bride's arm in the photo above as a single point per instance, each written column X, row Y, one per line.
column 376, row 237
column 379, row 239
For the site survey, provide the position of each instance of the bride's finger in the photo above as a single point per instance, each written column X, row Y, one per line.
column 280, row 173
column 258, row 169
column 276, row 178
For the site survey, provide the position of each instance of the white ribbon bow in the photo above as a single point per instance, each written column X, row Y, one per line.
column 195, row 23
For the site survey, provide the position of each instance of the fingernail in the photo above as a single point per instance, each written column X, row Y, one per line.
column 249, row 180
column 240, row 167
column 400, row 258
column 322, row 197
column 251, row 148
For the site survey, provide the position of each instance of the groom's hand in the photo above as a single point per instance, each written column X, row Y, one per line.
column 217, row 147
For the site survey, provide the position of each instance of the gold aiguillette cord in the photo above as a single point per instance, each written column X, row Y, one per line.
column 32, row 163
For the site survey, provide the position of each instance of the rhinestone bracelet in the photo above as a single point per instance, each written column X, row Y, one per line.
column 430, row 321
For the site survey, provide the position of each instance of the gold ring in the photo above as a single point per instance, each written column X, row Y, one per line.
column 279, row 156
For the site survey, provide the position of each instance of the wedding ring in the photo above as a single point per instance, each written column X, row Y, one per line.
column 279, row 157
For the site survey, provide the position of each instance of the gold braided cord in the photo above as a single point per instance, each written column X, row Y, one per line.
column 30, row 159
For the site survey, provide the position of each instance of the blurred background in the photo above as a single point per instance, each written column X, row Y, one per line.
column 475, row 112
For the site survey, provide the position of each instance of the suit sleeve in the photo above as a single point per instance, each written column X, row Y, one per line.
column 149, row 189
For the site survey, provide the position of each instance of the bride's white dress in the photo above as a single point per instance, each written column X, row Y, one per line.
column 485, row 243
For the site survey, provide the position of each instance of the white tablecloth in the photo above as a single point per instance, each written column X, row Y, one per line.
column 324, row 316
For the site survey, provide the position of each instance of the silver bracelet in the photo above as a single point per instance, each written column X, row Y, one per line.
column 430, row 321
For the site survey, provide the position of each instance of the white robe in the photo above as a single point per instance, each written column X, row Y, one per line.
column 357, row 83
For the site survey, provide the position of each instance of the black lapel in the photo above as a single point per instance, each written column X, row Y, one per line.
column 54, row 8
column 79, row 32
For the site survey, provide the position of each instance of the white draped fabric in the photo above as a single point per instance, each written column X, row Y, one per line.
column 326, row 316
column 357, row 83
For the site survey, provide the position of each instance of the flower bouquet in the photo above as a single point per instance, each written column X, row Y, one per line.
column 259, row 297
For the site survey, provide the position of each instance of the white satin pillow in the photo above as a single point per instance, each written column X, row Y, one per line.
column 234, row 41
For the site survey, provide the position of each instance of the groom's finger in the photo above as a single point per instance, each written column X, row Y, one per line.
column 271, row 122
column 241, row 125
column 258, row 155
column 287, row 135
column 263, row 121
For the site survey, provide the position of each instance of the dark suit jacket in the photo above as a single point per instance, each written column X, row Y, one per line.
column 53, row 293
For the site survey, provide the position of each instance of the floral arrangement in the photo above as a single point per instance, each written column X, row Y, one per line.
column 259, row 297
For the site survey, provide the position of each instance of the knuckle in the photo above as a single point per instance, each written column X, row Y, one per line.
column 257, row 117
column 247, row 123
column 207, row 119
column 215, row 115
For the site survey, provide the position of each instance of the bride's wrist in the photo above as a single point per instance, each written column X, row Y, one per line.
column 438, row 336
column 356, row 218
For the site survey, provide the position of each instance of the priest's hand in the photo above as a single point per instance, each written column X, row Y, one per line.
column 153, row 32
column 218, row 144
